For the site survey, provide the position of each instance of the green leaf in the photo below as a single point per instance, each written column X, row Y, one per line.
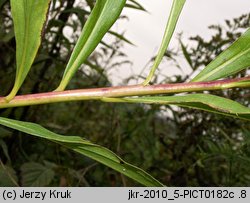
column 229, row 62
column 86, row 148
column 172, row 22
column 36, row 175
column 121, row 37
column 186, row 54
column 29, row 18
column 135, row 5
column 4, row 147
column 102, row 17
column 206, row 102
column 8, row 176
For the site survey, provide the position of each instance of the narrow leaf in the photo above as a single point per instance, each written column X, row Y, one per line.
column 8, row 177
column 29, row 17
column 135, row 5
column 172, row 22
column 86, row 148
column 186, row 54
column 206, row 102
column 231, row 61
column 121, row 37
column 4, row 147
column 103, row 16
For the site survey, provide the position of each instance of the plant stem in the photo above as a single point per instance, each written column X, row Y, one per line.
column 121, row 91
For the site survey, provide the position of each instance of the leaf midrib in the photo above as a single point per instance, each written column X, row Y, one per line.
column 77, row 61
column 230, row 60
column 27, row 24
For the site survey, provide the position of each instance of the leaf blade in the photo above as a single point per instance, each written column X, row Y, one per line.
column 135, row 5
column 86, row 148
column 206, row 102
column 28, row 26
column 230, row 61
column 103, row 16
column 172, row 22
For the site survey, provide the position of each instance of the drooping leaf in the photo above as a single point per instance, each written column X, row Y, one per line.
column 231, row 61
column 86, row 148
column 206, row 102
column 36, row 175
column 172, row 22
column 102, row 17
column 29, row 18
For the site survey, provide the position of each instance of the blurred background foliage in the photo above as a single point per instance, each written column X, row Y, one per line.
column 180, row 147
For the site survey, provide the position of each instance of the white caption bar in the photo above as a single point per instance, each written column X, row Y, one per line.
column 114, row 195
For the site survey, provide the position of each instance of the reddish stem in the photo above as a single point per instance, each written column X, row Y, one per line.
column 122, row 91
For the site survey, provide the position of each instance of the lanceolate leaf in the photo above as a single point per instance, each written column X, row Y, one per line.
column 29, row 18
column 121, row 37
column 204, row 102
column 103, row 16
column 231, row 61
column 172, row 22
column 186, row 54
column 86, row 148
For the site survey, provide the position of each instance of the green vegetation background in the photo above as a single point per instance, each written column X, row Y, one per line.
column 179, row 147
